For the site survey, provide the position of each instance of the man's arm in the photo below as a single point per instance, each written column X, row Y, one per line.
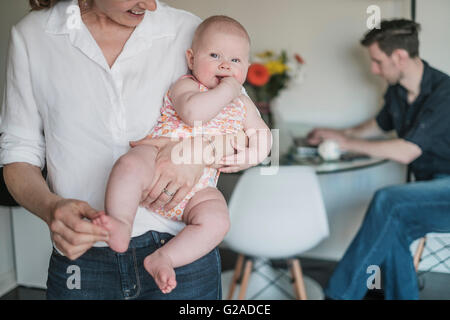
column 354, row 140
column 398, row 150
column 367, row 129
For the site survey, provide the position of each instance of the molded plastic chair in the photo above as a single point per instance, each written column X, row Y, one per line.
column 276, row 217
column 422, row 244
column 444, row 246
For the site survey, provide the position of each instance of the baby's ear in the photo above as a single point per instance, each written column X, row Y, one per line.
column 190, row 58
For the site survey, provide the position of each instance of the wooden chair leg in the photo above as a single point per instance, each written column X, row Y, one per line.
column 297, row 294
column 418, row 253
column 299, row 284
column 236, row 276
column 245, row 279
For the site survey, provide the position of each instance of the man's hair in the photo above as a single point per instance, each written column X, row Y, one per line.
column 395, row 34
column 224, row 23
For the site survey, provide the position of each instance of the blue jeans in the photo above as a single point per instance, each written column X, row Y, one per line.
column 105, row 274
column 396, row 217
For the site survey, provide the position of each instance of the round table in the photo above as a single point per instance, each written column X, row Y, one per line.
column 348, row 162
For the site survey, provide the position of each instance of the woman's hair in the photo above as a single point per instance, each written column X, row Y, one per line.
column 42, row 4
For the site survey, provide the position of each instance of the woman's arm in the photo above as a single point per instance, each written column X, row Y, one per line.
column 70, row 233
column 192, row 105
column 180, row 163
column 22, row 153
column 28, row 187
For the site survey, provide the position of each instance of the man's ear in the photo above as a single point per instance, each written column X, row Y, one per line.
column 400, row 56
column 190, row 58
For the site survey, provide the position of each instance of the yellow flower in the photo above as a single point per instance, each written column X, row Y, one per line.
column 265, row 54
column 276, row 67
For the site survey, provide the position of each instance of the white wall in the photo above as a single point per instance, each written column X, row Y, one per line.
column 434, row 16
column 7, row 270
column 338, row 89
column 10, row 12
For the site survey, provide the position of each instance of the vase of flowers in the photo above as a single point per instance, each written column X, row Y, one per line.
column 267, row 76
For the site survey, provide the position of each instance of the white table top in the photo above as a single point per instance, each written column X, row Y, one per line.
column 325, row 167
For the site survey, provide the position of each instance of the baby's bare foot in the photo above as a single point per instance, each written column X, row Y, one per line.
column 119, row 232
column 96, row 220
column 160, row 268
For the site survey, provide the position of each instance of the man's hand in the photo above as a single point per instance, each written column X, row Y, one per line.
column 71, row 234
column 318, row 135
column 176, row 179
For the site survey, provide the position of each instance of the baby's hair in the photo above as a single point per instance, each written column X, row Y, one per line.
column 223, row 23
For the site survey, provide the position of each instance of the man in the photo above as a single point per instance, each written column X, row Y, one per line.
column 417, row 107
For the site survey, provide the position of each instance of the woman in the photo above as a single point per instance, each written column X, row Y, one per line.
column 79, row 87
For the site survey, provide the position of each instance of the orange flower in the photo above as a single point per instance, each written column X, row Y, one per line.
column 258, row 75
column 299, row 58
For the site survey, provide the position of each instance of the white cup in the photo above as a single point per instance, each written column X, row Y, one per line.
column 329, row 150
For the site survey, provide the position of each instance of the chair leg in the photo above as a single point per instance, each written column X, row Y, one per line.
column 236, row 276
column 296, row 292
column 418, row 253
column 299, row 285
column 245, row 279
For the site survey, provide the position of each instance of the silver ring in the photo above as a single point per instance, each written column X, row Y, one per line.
column 168, row 193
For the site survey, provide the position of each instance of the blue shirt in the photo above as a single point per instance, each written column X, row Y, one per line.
column 425, row 122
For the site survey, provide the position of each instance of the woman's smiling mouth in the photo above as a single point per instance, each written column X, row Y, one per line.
column 136, row 13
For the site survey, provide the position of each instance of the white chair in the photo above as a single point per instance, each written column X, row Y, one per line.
column 276, row 217
column 438, row 253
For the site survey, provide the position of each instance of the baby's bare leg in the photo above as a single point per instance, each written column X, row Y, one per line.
column 131, row 175
column 207, row 222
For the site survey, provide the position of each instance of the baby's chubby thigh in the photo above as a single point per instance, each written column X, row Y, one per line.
column 138, row 162
column 208, row 208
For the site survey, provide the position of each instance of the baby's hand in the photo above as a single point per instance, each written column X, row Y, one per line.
column 233, row 85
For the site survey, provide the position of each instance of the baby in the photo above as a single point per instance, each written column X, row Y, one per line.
column 212, row 94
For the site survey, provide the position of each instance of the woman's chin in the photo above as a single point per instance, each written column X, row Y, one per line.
column 129, row 21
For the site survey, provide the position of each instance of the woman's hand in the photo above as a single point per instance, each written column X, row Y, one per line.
column 169, row 177
column 70, row 232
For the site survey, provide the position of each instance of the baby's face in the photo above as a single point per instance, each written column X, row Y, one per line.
column 218, row 55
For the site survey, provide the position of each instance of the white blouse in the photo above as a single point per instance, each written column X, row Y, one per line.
column 65, row 106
